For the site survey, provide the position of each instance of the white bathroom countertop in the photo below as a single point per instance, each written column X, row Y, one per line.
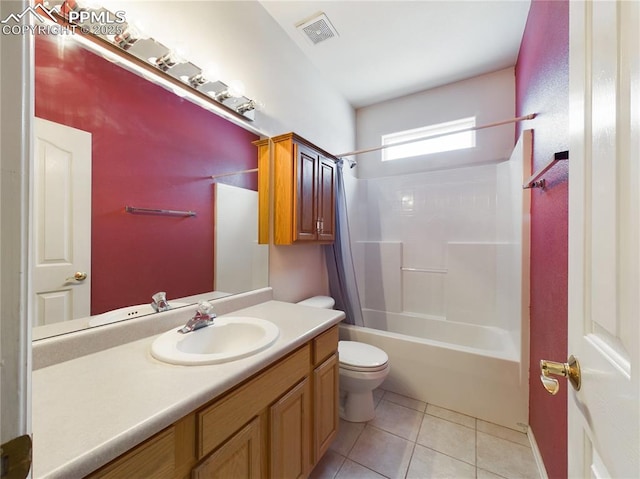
column 89, row 410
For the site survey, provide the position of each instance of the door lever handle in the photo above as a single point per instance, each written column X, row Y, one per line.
column 569, row 370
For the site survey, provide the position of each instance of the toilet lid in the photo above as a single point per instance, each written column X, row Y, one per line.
column 358, row 355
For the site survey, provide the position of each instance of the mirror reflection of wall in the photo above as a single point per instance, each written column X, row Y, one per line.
column 150, row 148
column 241, row 263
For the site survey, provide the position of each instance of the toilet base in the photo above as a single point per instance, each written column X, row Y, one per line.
column 357, row 406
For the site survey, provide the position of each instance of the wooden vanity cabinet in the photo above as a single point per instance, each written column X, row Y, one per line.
column 325, row 391
column 277, row 424
column 240, row 456
column 168, row 454
column 304, row 180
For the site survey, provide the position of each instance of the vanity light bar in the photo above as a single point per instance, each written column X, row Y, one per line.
column 160, row 62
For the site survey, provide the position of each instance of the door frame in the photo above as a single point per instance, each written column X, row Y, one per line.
column 16, row 108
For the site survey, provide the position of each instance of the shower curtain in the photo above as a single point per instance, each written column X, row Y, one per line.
column 342, row 274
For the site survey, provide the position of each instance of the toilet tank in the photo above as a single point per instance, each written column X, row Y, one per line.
column 323, row 302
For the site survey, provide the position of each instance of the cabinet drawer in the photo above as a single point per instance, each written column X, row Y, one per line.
column 154, row 458
column 325, row 345
column 220, row 420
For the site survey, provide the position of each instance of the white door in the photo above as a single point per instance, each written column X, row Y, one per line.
column 61, row 276
column 604, row 238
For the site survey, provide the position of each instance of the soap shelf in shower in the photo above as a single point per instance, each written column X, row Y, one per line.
column 535, row 181
column 157, row 211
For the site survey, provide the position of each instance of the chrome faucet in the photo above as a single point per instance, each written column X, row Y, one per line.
column 160, row 303
column 204, row 317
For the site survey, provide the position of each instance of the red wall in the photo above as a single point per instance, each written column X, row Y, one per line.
column 542, row 87
column 150, row 149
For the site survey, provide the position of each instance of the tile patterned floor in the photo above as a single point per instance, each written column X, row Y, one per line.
column 414, row 440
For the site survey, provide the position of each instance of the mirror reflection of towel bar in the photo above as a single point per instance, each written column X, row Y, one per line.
column 153, row 211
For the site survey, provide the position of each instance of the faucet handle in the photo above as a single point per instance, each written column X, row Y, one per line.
column 205, row 308
column 160, row 301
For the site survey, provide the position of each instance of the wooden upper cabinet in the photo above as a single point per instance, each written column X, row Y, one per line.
column 326, row 199
column 303, row 182
column 305, row 199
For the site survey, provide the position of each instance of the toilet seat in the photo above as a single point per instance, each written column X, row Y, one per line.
column 356, row 356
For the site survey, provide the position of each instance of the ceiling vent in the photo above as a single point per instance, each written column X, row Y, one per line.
column 317, row 29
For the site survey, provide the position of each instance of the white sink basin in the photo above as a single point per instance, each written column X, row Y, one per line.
column 127, row 312
column 228, row 339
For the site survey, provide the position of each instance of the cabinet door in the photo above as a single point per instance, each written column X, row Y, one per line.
column 305, row 207
column 240, row 456
column 291, row 433
column 325, row 383
column 326, row 199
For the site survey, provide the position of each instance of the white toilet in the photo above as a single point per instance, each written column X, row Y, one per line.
column 363, row 368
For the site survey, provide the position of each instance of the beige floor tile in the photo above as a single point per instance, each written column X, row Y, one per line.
column 505, row 458
column 448, row 438
column 353, row 470
column 405, row 401
column 382, row 452
column 398, row 420
column 503, row 432
column 482, row 474
column 378, row 394
column 427, row 463
column 348, row 433
column 451, row 416
column 328, row 466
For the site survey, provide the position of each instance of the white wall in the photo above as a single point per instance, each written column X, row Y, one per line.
column 489, row 97
column 247, row 44
column 241, row 264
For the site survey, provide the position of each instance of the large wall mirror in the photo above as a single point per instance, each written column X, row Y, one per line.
column 107, row 139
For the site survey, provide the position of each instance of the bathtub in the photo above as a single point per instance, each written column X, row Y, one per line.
column 475, row 370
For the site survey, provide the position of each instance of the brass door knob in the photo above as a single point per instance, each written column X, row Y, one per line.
column 78, row 276
column 569, row 370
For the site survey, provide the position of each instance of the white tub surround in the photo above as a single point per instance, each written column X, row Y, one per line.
column 90, row 409
column 442, row 258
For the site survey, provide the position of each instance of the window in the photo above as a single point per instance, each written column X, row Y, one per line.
column 427, row 146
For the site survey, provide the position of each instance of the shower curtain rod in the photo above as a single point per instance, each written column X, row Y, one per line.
column 531, row 116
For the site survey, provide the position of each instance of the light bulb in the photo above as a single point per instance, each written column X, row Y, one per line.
column 211, row 72
column 90, row 4
column 236, row 89
column 129, row 36
column 169, row 60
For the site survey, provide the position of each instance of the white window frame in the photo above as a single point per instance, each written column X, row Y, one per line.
column 414, row 147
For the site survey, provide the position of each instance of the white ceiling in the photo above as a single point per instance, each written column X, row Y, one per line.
column 387, row 49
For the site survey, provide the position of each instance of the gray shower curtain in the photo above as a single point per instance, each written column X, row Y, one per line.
column 342, row 275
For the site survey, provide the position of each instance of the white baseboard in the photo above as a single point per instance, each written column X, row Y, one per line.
column 536, row 454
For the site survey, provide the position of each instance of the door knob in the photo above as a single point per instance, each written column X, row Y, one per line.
column 569, row 370
column 79, row 276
